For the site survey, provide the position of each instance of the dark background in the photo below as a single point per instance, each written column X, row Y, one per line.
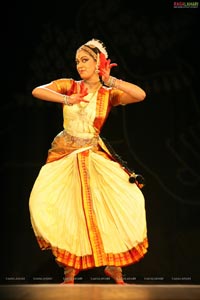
column 158, row 137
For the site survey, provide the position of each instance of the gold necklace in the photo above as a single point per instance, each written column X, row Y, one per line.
column 84, row 104
column 92, row 83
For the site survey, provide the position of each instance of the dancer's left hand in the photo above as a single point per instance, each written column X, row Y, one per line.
column 105, row 67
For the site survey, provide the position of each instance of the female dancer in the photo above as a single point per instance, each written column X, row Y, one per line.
column 83, row 207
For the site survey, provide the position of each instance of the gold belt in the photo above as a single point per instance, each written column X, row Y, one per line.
column 80, row 142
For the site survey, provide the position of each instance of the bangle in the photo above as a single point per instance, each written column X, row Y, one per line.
column 66, row 100
column 111, row 81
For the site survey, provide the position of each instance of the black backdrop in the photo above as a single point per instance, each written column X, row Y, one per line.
column 158, row 137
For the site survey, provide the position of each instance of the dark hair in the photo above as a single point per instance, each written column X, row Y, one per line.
column 94, row 49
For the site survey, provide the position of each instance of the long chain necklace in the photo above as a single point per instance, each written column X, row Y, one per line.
column 82, row 105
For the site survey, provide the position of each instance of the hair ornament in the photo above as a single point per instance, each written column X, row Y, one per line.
column 98, row 44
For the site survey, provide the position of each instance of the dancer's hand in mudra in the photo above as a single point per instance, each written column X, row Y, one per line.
column 79, row 97
column 105, row 67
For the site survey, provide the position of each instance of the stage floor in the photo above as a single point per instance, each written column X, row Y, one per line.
column 99, row 292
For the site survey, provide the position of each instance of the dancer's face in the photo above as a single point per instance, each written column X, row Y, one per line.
column 85, row 64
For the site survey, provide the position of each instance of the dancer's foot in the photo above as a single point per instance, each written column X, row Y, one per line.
column 69, row 274
column 115, row 273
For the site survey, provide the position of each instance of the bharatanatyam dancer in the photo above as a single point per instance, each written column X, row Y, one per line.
column 83, row 205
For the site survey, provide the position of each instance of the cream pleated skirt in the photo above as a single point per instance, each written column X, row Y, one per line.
column 86, row 211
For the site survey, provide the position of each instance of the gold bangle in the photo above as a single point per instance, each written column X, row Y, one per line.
column 66, row 100
column 111, row 81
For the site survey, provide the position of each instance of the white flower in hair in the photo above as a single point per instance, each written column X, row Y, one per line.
column 98, row 44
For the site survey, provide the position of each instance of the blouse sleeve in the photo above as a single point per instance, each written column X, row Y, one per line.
column 115, row 97
column 64, row 85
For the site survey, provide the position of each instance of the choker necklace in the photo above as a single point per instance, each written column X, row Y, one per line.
column 94, row 83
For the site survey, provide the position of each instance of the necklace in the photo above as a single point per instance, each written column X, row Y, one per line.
column 83, row 105
column 92, row 84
